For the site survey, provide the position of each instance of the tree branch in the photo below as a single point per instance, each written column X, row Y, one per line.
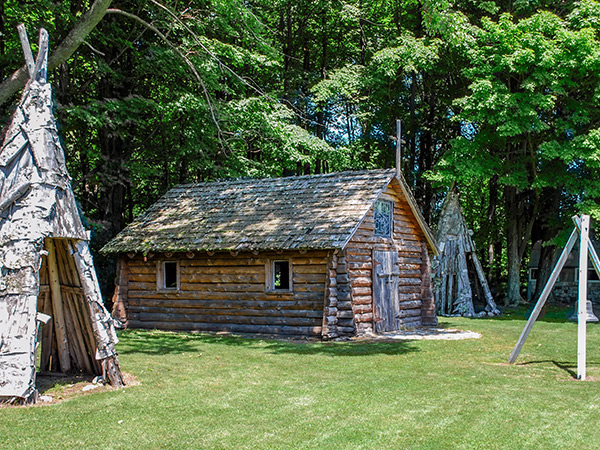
column 65, row 49
column 183, row 57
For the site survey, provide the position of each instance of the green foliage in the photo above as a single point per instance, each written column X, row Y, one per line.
column 493, row 96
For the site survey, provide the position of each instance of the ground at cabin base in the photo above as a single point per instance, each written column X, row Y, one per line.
column 218, row 391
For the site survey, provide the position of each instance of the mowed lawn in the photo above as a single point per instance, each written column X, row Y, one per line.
column 207, row 391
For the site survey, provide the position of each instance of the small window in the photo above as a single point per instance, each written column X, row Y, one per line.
column 280, row 276
column 592, row 275
column 383, row 218
column 168, row 275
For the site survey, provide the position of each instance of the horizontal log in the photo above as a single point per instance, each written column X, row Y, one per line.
column 405, row 273
column 345, row 305
column 362, row 299
column 367, row 317
column 406, row 257
column 189, row 312
column 227, row 295
column 408, row 266
column 358, row 258
column 361, row 291
column 361, row 281
column 345, row 314
column 223, row 278
column 343, row 295
column 409, row 297
column 408, row 313
column 305, row 278
column 218, row 287
column 309, row 261
column 315, row 268
column 142, row 277
column 359, row 265
column 409, row 289
column 310, row 287
column 231, row 261
column 141, row 269
column 232, row 328
column 410, row 304
column 342, row 278
column 223, row 319
column 361, row 309
column 228, row 304
column 411, row 322
column 221, row 270
column 345, row 330
column 356, row 250
column 360, row 273
column 409, row 281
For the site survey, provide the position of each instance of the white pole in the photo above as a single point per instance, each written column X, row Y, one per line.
column 582, row 298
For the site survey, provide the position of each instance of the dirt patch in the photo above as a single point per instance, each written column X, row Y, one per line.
column 426, row 333
column 57, row 388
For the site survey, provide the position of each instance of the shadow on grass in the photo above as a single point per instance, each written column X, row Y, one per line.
column 343, row 348
column 48, row 380
column 154, row 342
column 551, row 314
column 569, row 367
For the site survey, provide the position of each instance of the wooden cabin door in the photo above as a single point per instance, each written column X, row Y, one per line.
column 385, row 291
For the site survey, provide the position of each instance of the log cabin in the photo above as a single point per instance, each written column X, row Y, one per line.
column 330, row 255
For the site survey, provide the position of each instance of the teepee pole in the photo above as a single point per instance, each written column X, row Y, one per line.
column 29, row 62
column 582, row 297
column 57, row 308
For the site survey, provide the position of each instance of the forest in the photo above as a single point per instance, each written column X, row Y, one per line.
column 500, row 99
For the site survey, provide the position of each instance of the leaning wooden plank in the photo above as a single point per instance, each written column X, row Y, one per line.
column 102, row 322
column 57, row 308
column 484, row 284
column 543, row 297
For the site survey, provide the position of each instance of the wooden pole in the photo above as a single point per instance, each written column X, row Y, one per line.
column 57, row 308
column 398, row 147
column 582, row 297
column 29, row 62
column 543, row 297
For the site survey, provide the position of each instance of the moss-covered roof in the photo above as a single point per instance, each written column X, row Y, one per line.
column 303, row 212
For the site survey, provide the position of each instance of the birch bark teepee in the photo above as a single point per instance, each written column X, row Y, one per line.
column 46, row 270
column 457, row 261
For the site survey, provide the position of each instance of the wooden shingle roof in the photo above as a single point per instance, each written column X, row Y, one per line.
column 302, row 212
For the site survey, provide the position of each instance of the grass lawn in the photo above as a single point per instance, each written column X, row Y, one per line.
column 206, row 391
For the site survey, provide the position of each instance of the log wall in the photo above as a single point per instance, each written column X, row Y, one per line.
column 355, row 272
column 226, row 292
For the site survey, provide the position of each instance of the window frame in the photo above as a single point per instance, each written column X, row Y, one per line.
column 390, row 233
column 161, row 273
column 270, row 279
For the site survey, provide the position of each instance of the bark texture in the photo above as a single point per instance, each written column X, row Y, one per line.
column 459, row 270
column 40, row 227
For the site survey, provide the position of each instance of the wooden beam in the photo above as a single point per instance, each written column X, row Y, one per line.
column 582, row 297
column 544, row 296
column 29, row 62
column 57, row 308
column 40, row 70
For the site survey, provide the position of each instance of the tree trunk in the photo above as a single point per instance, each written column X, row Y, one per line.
column 513, row 283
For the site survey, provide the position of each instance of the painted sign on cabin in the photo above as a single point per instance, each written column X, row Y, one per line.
column 322, row 255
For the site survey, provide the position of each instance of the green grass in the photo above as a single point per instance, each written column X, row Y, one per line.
column 206, row 391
